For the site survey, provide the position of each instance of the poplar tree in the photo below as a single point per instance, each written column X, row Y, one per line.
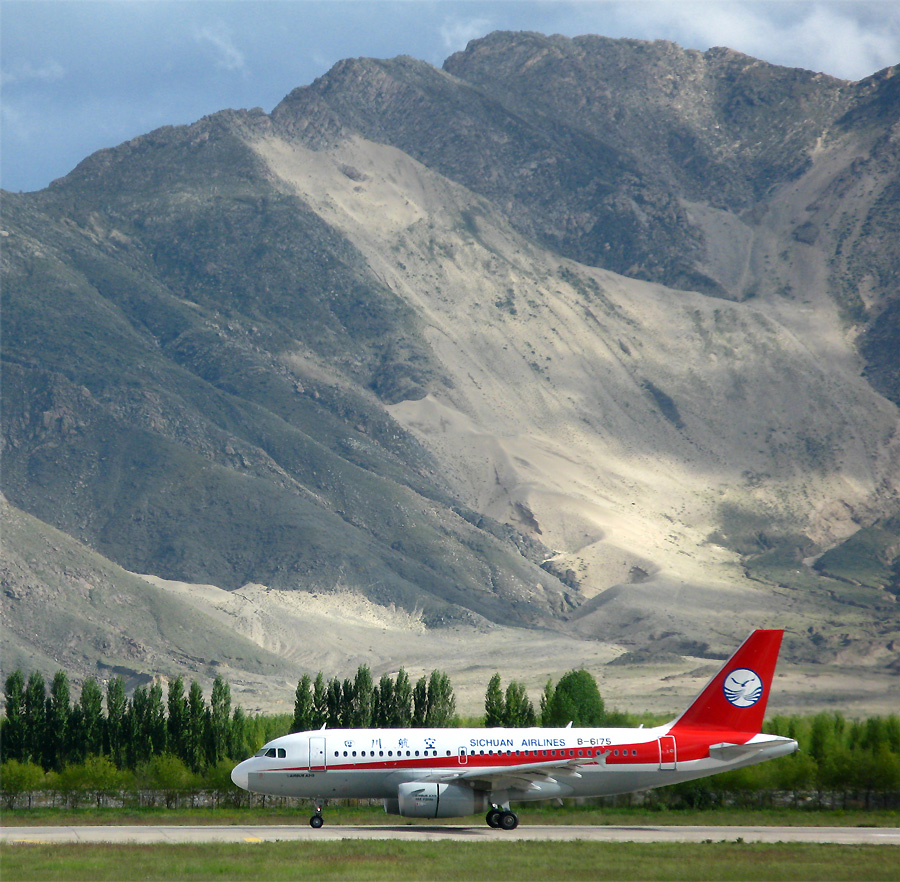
column 177, row 722
column 35, row 719
column 139, row 748
column 346, row 704
column 319, row 702
column 12, row 735
column 91, row 705
column 58, row 713
column 333, row 700
column 116, row 709
column 518, row 712
column 219, row 720
column 420, row 702
column 156, row 720
column 197, row 720
column 238, row 743
column 494, row 706
column 441, row 709
column 361, row 699
column 402, row 711
column 383, row 710
column 303, row 705
column 546, row 702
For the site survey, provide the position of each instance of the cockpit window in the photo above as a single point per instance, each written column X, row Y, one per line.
column 281, row 753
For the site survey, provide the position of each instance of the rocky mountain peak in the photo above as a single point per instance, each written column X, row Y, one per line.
column 568, row 335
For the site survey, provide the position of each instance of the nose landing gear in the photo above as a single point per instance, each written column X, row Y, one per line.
column 316, row 821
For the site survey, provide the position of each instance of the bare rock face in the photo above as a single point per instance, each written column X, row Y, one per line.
column 583, row 334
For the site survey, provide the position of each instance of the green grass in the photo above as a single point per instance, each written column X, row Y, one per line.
column 528, row 816
column 492, row 861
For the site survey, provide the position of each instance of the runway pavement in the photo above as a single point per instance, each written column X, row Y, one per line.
column 425, row 833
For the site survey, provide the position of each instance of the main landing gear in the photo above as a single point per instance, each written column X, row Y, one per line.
column 317, row 820
column 502, row 818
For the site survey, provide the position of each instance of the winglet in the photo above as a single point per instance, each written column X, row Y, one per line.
column 735, row 699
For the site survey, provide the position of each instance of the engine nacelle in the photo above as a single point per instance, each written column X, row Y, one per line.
column 424, row 800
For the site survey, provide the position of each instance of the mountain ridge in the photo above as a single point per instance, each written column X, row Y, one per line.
column 376, row 341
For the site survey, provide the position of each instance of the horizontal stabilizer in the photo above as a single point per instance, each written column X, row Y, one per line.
column 728, row 752
column 774, row 746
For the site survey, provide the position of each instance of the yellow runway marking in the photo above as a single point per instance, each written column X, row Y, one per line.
column 252, row 839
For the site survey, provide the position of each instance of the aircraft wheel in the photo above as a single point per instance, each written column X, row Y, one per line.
column 493, row 818
column 508, row 820
column 316, row 821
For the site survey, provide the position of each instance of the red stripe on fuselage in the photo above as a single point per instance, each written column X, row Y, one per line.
column 646, row 752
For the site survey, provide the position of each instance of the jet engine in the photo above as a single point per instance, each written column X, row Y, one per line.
column 424, row 800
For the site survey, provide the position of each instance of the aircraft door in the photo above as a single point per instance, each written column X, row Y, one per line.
column 316, row 754
column 667, row 756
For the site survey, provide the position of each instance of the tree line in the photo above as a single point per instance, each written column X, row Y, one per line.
column 360, row 703
column 174, row 735
column 50, row 730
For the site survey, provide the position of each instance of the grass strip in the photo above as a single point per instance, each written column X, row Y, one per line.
column 471, row 862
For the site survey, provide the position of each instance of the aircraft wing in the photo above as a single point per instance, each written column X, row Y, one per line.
column 522, row 777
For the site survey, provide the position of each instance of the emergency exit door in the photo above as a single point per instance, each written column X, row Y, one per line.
column 317, row 754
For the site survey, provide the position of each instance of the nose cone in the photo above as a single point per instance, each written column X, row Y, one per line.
column 240, row 775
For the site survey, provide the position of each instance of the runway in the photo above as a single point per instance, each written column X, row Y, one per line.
column 424, row 833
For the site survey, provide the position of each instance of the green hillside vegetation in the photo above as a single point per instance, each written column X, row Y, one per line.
column 869, row 558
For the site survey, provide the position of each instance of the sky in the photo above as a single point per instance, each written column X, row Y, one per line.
column 80, row 75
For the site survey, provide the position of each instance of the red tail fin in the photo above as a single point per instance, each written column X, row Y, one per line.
column 736, row 697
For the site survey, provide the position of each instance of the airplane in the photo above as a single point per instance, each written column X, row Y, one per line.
column 452, row 773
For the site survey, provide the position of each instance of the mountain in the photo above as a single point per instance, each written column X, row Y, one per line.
column 591, row 338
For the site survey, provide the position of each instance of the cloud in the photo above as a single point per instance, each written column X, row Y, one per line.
column 218, row 37
column 852, row 46
column 25, row 71
column 846, row 40
column 456, row 33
